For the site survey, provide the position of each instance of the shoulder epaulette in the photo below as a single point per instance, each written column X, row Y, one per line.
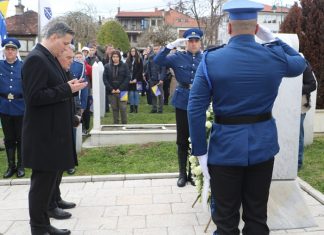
column 214, row 48
column 269, row 44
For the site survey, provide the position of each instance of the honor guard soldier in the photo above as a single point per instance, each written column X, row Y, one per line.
column 184, row 65
column 242, row 80
column 11, row 105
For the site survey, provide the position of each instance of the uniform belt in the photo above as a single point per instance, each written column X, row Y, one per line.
column 185, row 85
column 237, row 120
column 11, row 96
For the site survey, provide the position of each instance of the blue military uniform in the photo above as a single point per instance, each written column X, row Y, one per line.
column 184, row 65
column 242, row 80
column 11, row 98
column 12, row 107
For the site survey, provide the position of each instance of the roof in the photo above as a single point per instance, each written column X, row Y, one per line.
column 25, row 24
column 139, row 14
column 179, row 20
column 268, row 8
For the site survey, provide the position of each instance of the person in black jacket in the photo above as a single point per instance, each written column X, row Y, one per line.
column 116, row 78
column 135, row 66
column 156, row 75
column 309, row 85
column 47, row 135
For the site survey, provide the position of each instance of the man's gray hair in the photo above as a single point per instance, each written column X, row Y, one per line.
column 59, row 28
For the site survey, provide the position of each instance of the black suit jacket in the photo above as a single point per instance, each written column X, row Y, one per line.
column 47, row 136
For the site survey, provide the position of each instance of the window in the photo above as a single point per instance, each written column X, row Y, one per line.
column 134, row 38
column 23, row 45
column 153, row 22
column 31, row 44
column 179, row 20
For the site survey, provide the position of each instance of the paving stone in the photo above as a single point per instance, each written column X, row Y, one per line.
column 183, row 230
column 164, row 182
column 151, row 231
column 201, row 228
column 278, row 232
column 81, row 193
column 186, row 208
column 4, row 188
column 93, row 185
column 108, row 232
column 96, row 223
column 134, row 200
column 166, row 198
column 5, row 182
column 153, row 190
column 72, row 186
column 98, row 201
column 310, row 200
column 65, row 224
column 203, row 218
column 172, row 220
column 19, row 227
column 137, row 183
column 5, row 225
column 188, row 189
column 115, row 211
column 87, row 212
column 76, row 179
column 114, row 192
column 113, row 184
column 10, row 204
column 14, row 214
column 130, row 222
column 154, row 209
column 20, row 182
column 188, row 197
column 317, row 210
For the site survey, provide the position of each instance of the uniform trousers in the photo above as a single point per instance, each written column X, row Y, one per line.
column 12, row 128
column 182, row 129
column 233, row 186
column 42, row 185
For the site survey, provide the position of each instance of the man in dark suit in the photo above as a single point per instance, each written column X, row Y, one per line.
column 47, row 136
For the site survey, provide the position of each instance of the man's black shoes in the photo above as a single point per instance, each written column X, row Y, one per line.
column 59, row 214
column 65, row 205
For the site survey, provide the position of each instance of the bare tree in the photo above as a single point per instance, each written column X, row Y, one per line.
column 208, row 15
column 161, row 35
column 83, row 22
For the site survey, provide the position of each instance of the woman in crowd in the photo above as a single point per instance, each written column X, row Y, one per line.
column 116, row 78
column 135, row 66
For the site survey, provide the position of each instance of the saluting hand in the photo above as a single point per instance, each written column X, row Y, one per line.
column 77, row 85
column 176, row 43
column 265, row 34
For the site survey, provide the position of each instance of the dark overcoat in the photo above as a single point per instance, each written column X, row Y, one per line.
column 47, row 136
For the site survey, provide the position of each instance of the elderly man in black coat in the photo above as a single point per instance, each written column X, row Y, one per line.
column 47, row 136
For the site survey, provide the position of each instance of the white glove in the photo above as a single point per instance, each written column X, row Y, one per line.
column 176, row 43
column 203, row 164
column 265, row 34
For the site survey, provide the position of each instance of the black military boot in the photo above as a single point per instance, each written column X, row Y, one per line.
column 182, row 157
column 136, row 108
column 11, row 163
column 20, row 169
column 131, row 109
column 189, row 178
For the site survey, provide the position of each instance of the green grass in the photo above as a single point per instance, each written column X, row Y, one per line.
column 313, row 166
column 144, row 116
column 123, row 159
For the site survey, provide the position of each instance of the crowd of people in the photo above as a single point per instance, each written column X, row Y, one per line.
column 46, row 97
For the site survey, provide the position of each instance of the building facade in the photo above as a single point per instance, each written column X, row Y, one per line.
column 23, row 26
column 135, row 23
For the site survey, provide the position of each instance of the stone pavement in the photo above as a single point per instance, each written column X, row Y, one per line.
column 130, row 207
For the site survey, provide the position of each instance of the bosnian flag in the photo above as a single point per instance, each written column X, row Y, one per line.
column 45, row 12
column 3, row 33
column 156, row 90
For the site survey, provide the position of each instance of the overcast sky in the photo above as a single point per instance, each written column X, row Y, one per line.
column 108, row 8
